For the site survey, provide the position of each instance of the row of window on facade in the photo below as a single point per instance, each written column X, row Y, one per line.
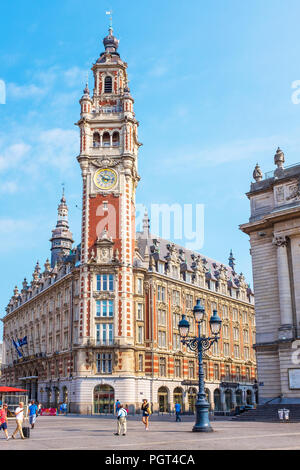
column 210, row 284
column 106, row 139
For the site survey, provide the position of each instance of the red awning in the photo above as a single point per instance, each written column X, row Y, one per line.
column 11, row 389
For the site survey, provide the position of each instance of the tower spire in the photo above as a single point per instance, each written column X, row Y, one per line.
column 61, row 240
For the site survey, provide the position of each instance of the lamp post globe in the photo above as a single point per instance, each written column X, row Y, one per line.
column 199, row 312
column 183, row 327
column 215, row 323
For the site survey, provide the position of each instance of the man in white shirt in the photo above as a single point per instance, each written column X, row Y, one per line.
column 19, row 412
column 122, row 424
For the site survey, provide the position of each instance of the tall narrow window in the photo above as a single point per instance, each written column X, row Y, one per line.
column 96, row 139
column 105, row 282
column 108, row 85
column 116, row 139
column 106, row 139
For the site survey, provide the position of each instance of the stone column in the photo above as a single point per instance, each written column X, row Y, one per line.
column 295, row 253
column 244, row 397
column 34, row 389
column 233, row 398
column 284, row 287
column 253, row 398
column 223, row 400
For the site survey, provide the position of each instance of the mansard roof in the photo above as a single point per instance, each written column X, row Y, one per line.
column 161, row 250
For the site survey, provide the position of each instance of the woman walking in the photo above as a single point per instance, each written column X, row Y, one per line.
column 146, row 413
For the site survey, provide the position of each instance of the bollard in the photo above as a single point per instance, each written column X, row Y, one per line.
column 286, row 414
column 280, row 414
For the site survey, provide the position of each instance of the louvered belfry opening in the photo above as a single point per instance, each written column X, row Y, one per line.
column 108, row 85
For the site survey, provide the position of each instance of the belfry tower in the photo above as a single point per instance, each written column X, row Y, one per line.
column 108, row 160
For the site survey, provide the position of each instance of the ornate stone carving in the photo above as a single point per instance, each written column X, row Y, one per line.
column 279, row 240
column 257, row 173
column 105, row 162
column 294, row 192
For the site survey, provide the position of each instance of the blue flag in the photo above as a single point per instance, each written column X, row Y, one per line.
column 22, row 342
column 16, row 345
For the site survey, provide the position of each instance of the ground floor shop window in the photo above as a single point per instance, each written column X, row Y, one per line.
column 104, row 398
column 163, row 399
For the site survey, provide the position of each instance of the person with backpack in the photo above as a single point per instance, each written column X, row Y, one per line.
column 146, row 410
column 122, row 421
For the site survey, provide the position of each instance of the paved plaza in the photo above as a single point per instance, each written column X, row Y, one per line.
column 94, row 433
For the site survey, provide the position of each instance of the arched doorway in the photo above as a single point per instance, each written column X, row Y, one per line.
column 217, row 400
column 228, row 400
column 104, row 399
column 192, row 398
column 163, row 399
column 249, row 397
column 239, row 397
column 178, row 396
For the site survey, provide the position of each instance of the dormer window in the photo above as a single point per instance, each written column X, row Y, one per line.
column 108, row 85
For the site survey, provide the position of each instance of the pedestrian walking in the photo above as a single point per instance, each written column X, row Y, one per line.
column 3, row 420
column 146, row 413
column 122, row 421
column 33, row 412
column 118, row 404
column 177, row 411
column 19, row 412
column 39, row 408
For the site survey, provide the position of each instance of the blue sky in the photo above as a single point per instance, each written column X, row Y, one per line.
column 212, row 83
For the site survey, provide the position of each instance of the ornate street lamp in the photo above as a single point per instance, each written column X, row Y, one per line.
column 200, row 344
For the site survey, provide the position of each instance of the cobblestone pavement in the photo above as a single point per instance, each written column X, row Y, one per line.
column 95, row 433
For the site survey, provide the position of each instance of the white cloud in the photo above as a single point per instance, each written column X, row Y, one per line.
column 58, row 147
column 12, row 155
column 24, row 91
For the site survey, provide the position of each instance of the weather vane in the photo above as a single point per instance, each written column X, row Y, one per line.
column 110, row 12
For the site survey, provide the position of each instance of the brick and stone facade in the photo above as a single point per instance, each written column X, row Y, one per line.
column 102, row 319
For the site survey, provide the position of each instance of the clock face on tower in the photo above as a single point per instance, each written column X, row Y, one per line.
column 105, row 178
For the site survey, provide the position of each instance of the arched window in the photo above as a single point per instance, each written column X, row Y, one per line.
column 178, row 396
column 108, row 85
column 116, row 139
column 96, row 139
column 106, row 139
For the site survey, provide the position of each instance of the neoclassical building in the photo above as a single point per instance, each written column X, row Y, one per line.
column 274, row 231
column 101, row 318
